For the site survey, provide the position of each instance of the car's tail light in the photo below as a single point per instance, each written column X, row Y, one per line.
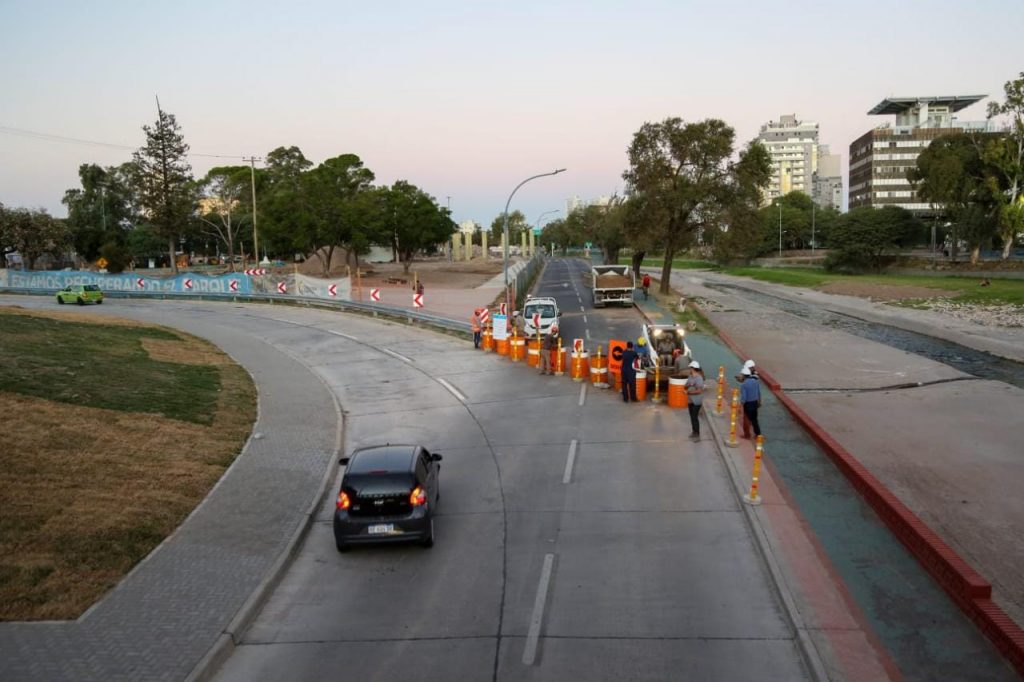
column 418, row 496
column 343, row 501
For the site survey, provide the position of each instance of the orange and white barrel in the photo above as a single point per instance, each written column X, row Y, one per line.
column 487, row 340
column 560, row 360
column 599, row 375
column 518, row 349
column 533, row 354
column 501, row 345
column 641, row 385
column 677, row 392
column 580, row 366
column 617, row 377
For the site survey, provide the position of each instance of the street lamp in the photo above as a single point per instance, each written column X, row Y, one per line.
column 780, row 227
column 508, row 302
column 541, row 216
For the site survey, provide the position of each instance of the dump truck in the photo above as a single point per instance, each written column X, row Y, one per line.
column 613, row 284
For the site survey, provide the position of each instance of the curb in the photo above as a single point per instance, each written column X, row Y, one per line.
column 964, row 585
column 808, row 649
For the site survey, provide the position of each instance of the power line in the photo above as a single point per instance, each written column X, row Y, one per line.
column 50, row 137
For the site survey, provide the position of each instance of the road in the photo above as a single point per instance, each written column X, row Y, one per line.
column 577, row 536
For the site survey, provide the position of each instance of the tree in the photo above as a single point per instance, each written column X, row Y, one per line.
column 1005, row 157
column 953, row 176
column 516, row 225
column 165, row 180
column 802, row 222
column 335, row 193
column 284, row 208
column 221, row 192
column 103, row 211
column 409, row 220
column 684, row 171
column 862, row 238
column 33, row 234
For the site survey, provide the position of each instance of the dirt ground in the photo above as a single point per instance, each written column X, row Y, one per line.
column 435, row 272
column 885, row 292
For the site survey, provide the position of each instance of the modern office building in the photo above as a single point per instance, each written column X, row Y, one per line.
column 827, row 180
column 793, row 146
column 881, row 158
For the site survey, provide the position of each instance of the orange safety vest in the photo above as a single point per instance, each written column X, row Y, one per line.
column 475, row 322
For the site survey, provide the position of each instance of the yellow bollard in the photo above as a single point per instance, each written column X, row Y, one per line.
column 721, row 389
column 657, row 384
column 559, row 369
column 732, row 442
column 754, row 497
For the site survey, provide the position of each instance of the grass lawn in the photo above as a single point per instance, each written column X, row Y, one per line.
column 113, row 432
column 677, row 263
column 960, row 289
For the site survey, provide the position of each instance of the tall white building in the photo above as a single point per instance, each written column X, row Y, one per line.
column 799, row 163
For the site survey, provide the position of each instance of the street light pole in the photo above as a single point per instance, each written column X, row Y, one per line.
column 812, row 225
column 255, row 245
column 508, row 303
column 541, row 216
column 780, row 227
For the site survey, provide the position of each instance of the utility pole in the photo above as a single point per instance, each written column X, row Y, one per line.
column 252, row 174
column 812, row 225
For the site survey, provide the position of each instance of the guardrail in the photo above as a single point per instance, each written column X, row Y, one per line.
column 405, row 315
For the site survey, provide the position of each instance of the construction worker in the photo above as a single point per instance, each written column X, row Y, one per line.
column 548, row 346
column 646, row 285
column 666, row 350
column 628, row 369
column 476, row 326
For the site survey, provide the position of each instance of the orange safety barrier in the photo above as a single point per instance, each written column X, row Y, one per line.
column 617, row 377
column 558, row 365
column 641, row 385
column 677, row 392
column 501, row 345
column 580, row 368
column 487, row 340
column 518, row 349
column 533, row 354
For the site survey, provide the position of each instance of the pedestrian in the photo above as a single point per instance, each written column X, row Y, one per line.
column 475, row 324
column 750, row 396
column 628, row 373
column 548, row 346
column 646, row 285
column 749, row 364
column 695, row 397
column 419, row 287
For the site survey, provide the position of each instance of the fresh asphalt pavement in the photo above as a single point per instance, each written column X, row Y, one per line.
column 576, row 536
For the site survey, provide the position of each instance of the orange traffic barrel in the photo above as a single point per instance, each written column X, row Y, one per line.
column 518, row 349
column 533, row 353
column 641, row 385
column 677, row 392
column 618, row 380
column 501, row 345
column 580, row 366
column 487, row 340
column 560, row 360
column 599, row 375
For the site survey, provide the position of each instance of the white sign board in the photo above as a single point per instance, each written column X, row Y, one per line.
column 500, row 327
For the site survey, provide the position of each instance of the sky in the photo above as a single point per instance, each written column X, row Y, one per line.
column 466, row 99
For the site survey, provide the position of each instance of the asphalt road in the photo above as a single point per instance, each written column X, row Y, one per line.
column 577, row 536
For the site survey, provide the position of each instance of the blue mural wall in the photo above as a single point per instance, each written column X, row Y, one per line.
column 127, row 282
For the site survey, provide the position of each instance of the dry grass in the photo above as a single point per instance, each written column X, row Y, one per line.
column 87, row 491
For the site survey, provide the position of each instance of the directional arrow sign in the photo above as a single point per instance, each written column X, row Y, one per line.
column 503, row 310
column 536, row 320
column 374, row 294
column 141, row 283
column 188, row 284
column 233, row 284
column 282, row 288
column 417, row 301
column 332, row 290
column 577, row 345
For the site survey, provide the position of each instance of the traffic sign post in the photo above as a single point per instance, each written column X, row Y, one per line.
column 417, row 300
column 375, row 295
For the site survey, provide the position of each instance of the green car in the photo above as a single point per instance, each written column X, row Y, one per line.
column 80, row 294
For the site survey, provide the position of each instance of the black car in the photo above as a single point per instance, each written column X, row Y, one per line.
column 388, row 494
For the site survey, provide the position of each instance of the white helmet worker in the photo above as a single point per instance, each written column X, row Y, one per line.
column 695, row 365
column 745, row 371
column 749, row 364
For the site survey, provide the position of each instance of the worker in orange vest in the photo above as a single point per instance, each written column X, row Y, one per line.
column 474, row 322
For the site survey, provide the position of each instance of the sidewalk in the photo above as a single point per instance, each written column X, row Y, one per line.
column 909, row 439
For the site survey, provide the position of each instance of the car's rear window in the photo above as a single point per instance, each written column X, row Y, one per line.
column 91, row 287
column 381, row 460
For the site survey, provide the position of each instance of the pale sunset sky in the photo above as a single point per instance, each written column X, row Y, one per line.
column 465, row 99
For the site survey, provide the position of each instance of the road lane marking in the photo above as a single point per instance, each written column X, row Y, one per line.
column 584, row 318
column 451, row 389
column 530, row 652
column 583, row 394
column 569, row 462
column 342, row 335
column 588, row 334
column 401, row 357
column 582, row 309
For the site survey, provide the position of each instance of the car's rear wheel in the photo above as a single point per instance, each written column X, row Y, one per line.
column 60, row 300
column 80, row 301
column 342, row 547
column 429, row 540
column 99, row 302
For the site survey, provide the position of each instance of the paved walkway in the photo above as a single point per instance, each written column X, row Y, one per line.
column 167, row 614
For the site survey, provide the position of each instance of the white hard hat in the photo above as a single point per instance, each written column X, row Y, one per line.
column 695, row 364
column 749, row 364
column 745, row 371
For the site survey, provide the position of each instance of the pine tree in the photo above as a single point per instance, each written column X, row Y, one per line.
column 165, row 180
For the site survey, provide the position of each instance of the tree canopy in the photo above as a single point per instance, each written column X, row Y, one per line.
column 862, row 238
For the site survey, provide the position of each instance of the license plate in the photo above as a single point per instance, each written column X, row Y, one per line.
column 382, row 529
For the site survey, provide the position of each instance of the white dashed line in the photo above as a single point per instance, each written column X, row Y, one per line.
column 567, row 476
column 583, row 394
column 582, row 309
column 451, row 389
column 342, row 335
column 530, row 653
column 584, row 318
column 401, row 357
column 588, row 334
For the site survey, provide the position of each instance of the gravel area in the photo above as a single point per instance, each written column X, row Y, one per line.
column 987, row 315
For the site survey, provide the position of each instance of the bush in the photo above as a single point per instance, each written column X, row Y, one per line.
column 117, row 257
column 866, row 238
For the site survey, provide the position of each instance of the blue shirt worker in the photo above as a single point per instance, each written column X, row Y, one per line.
column 629, row 357
column 750, row 396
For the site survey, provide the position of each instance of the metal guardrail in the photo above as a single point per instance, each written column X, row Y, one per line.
column 405, row 315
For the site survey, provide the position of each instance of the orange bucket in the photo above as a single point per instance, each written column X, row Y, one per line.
column 641, row 385
column 580, row 367
column 501, row 345
column 677, row 392
column 533, row 354
column 518, row 349
column 487, row 340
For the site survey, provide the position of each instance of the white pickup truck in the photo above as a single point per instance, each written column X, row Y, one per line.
column 545, row 309
column 613, row 284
